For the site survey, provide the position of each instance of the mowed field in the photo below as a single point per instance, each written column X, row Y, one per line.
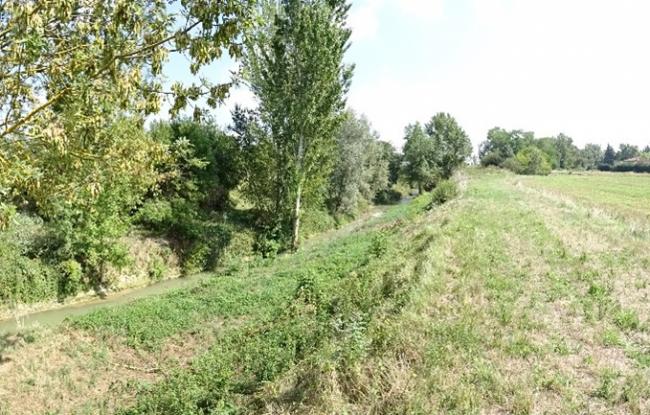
column 524, row 295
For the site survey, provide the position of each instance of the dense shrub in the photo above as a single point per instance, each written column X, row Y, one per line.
column 70, row 279
column 388, row 197
column 24, row 277
column 491, row 159
column 639, row 167
column 444, row 192
column 316, row 221
column 530, row 160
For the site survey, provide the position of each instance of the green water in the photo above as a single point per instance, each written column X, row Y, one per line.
column 51, row 318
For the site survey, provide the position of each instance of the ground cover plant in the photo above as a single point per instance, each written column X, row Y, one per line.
column 512, row 297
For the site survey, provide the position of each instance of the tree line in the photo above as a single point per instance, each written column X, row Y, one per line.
column 81, row 170
column 523, row 153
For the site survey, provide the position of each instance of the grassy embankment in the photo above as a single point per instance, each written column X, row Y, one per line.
column 524, row 295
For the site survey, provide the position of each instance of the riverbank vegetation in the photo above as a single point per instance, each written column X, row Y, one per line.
column 338, row 273
column 519, row 295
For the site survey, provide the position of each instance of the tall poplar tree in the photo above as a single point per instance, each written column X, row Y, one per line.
column 295, row 68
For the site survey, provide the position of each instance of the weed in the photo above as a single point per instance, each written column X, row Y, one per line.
column 627, row 320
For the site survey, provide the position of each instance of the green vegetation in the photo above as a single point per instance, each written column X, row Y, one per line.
column 620, row 195
column 83, row 181
column 294, row 65
column 529, row 160
column 488, row 292
column 514, row 297
column 432, row 153
column 522, row 153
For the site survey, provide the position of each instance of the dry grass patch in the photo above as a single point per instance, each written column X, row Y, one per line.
column 69, row 371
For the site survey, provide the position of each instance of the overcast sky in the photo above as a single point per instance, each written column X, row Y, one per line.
column 581, row 67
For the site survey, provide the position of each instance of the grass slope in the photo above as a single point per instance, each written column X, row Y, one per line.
column 524, row 296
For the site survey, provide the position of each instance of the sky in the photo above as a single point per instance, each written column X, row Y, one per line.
column 581, row 67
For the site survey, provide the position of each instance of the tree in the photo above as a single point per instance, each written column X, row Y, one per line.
column 566, row 151
column 107, row 188
column 626, row 152
column 502, row 145
column 294, row 67
column 212, row 169
column 590, row 156
column 61, row 51
column 347, row 176
column 609, row 157
column 549, row 147
column 394, row 161
column 69, row 67
column 420, row 163
column 530, row 160
column 452, row 144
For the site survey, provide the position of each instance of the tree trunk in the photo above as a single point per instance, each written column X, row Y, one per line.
column 419, row 188
column 296, row 220
column 295, row 234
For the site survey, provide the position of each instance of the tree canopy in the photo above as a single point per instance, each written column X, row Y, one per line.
column 295, row 67
column 70, row 68
column 434, row 151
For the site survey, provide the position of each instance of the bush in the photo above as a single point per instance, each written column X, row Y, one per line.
column 158, row 269
column 155, row 214
column 388, row 197
column 70, row 279
column 24, row 277
column 379, row 244
column 530, row 161
column 269, row 243
column 491, row 159
column 314, row 221
column 637, row 167
column 444, row 192
column 207, row 241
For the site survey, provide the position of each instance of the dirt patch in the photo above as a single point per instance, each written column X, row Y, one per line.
column 70, row 371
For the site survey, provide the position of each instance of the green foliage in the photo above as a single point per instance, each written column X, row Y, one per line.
column 360, row 168
column 91, row 237
column 434, row 152
column 452, row 144
column 203, row 165
column 388, row 197
column 157, row 269
column 379, row 244
column 201, row 169
column 71, row 279
column 626, row 152
column 610, row 156
column 503, row 148
column 445, row 191
column 502, row 145
column 317, row 220
column 86, row 201
column 68, row 68
column 24, row 277
column 636, row 167
column 295, row 67
column 590, row 156
column 566, row 152
column 420, row 158
column 531, row 161
column 268, row 243
column 627, row 320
